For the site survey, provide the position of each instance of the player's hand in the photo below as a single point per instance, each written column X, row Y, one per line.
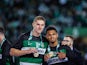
column 46, row 57
column 61, row 55
column 32, row 50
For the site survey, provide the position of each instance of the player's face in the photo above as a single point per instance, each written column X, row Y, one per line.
column 52, row 36
column 38, row 26
column 67, row 41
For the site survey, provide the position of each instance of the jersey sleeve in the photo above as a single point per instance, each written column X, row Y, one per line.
column 18, row 44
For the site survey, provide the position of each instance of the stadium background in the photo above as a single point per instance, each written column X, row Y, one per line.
column 69, row 17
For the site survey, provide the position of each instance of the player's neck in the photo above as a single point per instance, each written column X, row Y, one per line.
column 35, row 34
column 53, row 44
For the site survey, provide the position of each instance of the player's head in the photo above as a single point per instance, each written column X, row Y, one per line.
column 51, row 34
column 2, row 30
column 38, row 24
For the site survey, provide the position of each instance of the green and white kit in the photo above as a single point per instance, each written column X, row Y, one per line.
column 54, row 57
column 37, row 58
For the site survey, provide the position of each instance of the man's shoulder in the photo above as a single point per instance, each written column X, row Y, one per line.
column 76, row 50
column 7, row 41
column 6, row 44
column 24, row 34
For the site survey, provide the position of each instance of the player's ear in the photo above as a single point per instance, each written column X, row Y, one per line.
column 57, row 35
column 33, row 24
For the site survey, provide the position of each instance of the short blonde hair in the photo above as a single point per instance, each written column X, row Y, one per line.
column 39, row 18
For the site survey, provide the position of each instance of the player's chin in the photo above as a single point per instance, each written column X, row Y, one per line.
column 52, row 42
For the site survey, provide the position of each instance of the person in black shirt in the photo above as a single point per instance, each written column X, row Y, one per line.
column 5, row 58
column 55, row 54
column 74, row 55
column 31, row 46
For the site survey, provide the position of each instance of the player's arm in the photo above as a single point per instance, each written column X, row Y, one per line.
column 17, row 52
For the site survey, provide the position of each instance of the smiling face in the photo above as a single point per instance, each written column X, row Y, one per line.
column 52, row 36
column 38, row 26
